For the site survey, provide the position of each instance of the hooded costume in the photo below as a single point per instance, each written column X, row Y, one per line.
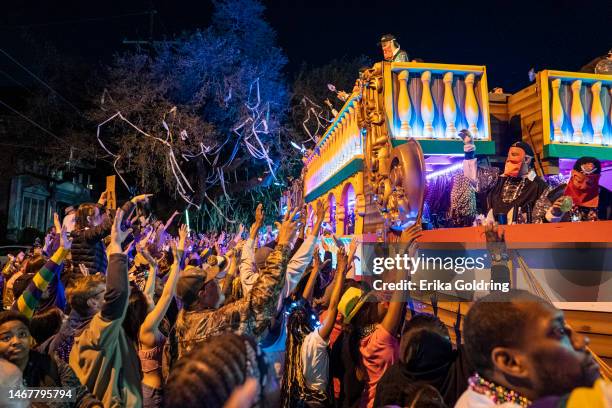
column 498, row 193
column 589, row 200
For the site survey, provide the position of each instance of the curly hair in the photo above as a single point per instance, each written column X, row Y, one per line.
column 83, row 213
column 294, row 391
column 11, row 315
column 207, row 376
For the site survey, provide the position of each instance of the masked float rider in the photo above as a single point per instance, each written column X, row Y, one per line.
column 518, row 187
column 589, row 200
column 391, row 49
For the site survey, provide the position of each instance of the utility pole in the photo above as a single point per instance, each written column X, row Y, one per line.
column 152, row 13
column 150, row 41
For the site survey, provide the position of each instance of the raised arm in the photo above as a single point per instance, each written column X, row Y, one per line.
column 232, row 271
column 469, row 160
column 169, row 222
column 29, row 300
column 265, row 294
column 301, row 234
column 332, row 310
column 302, row 257
column 117, row 289
column 149, row 289
column 101, row 231
column 238, row 236
column 153, row 319
column 248, row 275
column 55, row 242
column 316, row 266
column 256, row 309
column 496, row 245
column 394, row 313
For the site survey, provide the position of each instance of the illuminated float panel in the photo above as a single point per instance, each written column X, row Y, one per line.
column 433, row 102
column 428, row 102
column 565, row 115
column 340, row 151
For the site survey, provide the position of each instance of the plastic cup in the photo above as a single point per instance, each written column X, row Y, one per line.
column 566, row 204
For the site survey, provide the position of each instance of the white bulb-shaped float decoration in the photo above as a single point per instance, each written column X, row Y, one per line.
column 577, row 112
column 597, row 114
column 471, row 106
column 449, row 106
column 427, row 105
column 557, row 111
column 403, row 104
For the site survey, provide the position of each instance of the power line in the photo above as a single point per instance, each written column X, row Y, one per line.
column 16, row 81
column 79, row 20
column 20, row 146
column 42, row 82
column 33, row 123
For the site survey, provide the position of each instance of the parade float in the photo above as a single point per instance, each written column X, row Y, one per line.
column 397, row 133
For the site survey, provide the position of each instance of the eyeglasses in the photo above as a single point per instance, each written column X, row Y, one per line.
column 98, row 293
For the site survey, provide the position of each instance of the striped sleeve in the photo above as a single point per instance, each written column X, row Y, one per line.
column 30, row 298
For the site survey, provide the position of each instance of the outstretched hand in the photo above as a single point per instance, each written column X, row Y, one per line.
column 174, row 249
column 56, row 223
column 118, row 235
column 128, row 249
column 259, row 214
column 324, row 245
column 141, row 197
column 343, row 96
column 182, row 237
column 352, row 249
column 303, row 221
column 259, row 218
column 316, row 259
column 103, row 198
column 288, row 227
column 142, row 250
column 341, row 260
column 494, row 233
column 65, row 242
column 410, row 237
column 320, row 211
column 496, row 238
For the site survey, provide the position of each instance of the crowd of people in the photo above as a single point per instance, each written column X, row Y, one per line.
column 126, row 314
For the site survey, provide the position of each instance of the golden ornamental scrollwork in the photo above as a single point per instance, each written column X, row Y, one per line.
column 397, row 175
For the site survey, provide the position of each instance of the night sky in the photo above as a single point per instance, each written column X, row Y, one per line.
column 508, row 36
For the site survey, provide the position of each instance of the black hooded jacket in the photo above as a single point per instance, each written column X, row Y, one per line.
column 432, row 361
column 87, row 246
